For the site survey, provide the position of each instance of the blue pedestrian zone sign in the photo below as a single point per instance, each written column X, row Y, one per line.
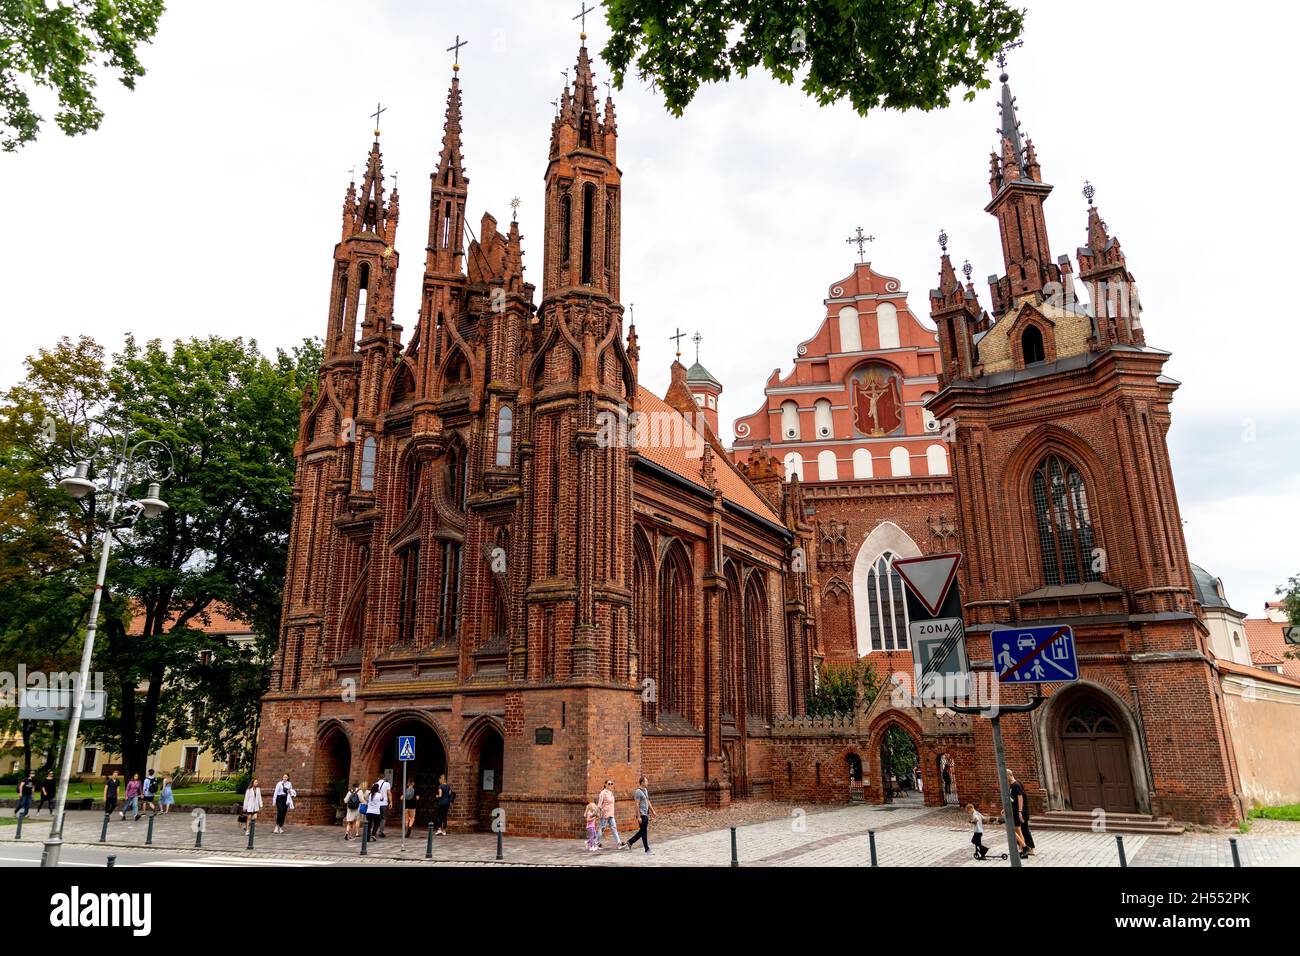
column 1028, row 655
column 405, row 748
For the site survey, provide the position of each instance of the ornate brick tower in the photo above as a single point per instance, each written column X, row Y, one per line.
column 575, row 657
column 1068, row 515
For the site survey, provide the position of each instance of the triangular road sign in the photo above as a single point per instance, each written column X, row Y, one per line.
column 929, row 577
column 407, row 749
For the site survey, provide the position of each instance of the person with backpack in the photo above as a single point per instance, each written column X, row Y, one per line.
column 148, row 787
column 442, row 804
column 352, row 804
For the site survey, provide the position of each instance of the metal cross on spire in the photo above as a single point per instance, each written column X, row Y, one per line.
column 861, row 241
column 1001, row 56
column 454, row 50
column 678, row 339
column 582, row 15
column 967, row 269
column 943, row 241
column 1089, row 191
column 514, row 209
column 697, row 339
column 379, row 111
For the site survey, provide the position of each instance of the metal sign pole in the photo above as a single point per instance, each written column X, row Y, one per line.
column 1008, row 815
column 404, row 807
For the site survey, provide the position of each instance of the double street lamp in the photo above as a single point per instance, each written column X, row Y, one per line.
column 125, row 462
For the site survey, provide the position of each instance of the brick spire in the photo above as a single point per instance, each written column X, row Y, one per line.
column 447, row 194
column 955, row 309
column 1113, row 294
column 364, row 211
column 1016, row 182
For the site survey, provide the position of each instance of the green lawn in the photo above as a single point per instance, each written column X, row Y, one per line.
column 1289, row 811
column 201, row 794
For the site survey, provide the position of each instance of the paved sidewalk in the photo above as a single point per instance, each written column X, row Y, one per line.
column 905, row 836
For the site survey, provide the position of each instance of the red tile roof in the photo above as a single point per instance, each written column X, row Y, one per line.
column 1233, row 667
column 675, row 458
column 1268, row 646
column 219, row 620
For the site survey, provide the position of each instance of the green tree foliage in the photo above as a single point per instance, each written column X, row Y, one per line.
column 900, row 751
column 229, row 417
column 59, row 46
column 842, row 687
column 895, row 54
column 1290, row 595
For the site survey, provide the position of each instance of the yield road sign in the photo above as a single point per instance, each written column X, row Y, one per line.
column 405, row 748
column 929, row 578
column 1026, row 655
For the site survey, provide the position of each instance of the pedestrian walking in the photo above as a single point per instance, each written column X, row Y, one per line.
column 166, row 798
column 26, row 787
column 352, row 804
column 47, row 793
column 283, row 799
column 590, row 816
column 409, row 799
column 1020, row 806
column 385, row 790
column 252, row 805
column 373, row 810
column 947, row 778
column 605, row 803
column 132, row 798
column 111, row 787
column 148, row 790
column 977, row 831
column 442, row 804
column 644, row 809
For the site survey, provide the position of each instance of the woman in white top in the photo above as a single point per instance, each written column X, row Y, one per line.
column 252, row 803
column 283, row 799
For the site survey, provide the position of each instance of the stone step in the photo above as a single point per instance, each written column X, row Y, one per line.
column 1081, row 822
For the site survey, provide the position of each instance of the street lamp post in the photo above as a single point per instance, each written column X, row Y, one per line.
column 125, row 462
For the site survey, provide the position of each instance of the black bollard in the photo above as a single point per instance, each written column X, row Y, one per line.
column 871, row 835
column 1119, row 842
column 365, row 837
column 499, row 841
column 112, row 859
column 103, row 831
column 428, row 847
column 735, row 860
column 198, row 839
column 1236, row 856
column 252, row 824
column 148, row 836
column 18, row 834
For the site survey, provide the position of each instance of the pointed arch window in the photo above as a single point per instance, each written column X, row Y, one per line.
column 588, row 229
column 407, row 595
column 1065, row 534
column 886, row 606
column 369, row 455
column 566, row 217
column 505, row 435
column 457, row 483
column 449, row 597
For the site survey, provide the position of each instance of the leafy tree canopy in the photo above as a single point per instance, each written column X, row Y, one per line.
column 895, row 54
column 59, row 46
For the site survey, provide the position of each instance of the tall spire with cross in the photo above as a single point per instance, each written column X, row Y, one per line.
column 1016, row 182
column 364, row 210
column 861, row 241
column 1111, row 288
column 449, row 185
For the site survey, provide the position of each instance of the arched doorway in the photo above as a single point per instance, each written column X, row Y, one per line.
column 945, row 777
column 430, row 761
column 1095, row 756
column 899, row 757
column 489, row 769
column 332, row 769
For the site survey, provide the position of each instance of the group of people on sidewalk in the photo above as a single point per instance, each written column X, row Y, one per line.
column 282, row 798
column 142, row 796
column 600, row 816
column 27, row 788
column 1020, row 818
column 371, row 804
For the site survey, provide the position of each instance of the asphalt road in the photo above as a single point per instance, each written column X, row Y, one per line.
column 29, row 854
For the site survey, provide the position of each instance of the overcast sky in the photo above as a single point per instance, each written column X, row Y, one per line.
column 210, row 202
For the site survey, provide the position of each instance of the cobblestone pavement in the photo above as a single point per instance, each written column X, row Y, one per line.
column 780, row 835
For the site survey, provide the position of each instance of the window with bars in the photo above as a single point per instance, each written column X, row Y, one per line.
column 886, row 606
column 1065, row 535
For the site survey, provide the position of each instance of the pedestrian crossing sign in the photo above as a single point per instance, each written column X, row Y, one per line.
column 405, row 748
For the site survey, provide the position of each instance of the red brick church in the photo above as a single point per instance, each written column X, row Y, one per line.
column 506, row 547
